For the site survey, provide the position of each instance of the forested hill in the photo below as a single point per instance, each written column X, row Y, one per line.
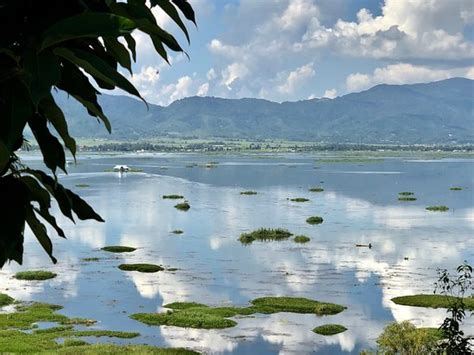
column 439, row 112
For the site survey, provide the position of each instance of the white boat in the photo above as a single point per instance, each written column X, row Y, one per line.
column 121, row 168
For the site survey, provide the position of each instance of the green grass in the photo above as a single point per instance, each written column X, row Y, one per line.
column 406, row 198
column 432, row 301
column 148, row 268
column 5, row 300
column 198, row 315
column 265, row 234
column 13, row 338
column 36, row 275
column 248, row 193
column 299, row 199
column 173, row 197
column 329, row 329
column 455, row 188
column 314, row 220
column 301, row 239
column 437, row 208
column 316, row 189
column 118, row 249
column 177, row 231
column 90, row 259
column 406, row 193
column 182, row 206
column 82, row 185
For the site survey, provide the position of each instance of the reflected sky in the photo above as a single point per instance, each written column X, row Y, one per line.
column 359, row 206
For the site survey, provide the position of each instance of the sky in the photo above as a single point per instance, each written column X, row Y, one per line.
column 290, row 50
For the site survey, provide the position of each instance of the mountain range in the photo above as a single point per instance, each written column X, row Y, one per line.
column 433, row 113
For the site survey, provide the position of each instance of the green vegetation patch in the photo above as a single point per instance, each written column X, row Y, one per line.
column 82, row 185
column 182, row 206
column 90, row 259
column 314, row 220
column 13, row 338
column 301, row 239
column 299, row 199
column 173, row 197
column 406, row 198
column 149, row 268
column 455, row 188
column 296, row 305
column 265, row 234
column 437, row 208
column 248, row 193
column 406, row 193
column 433, row 301
column 5, row 300
column 329, row 329
column 36, row 275
column 316, row 189
column 177, row 231
column 118, row 249
column 198, row 315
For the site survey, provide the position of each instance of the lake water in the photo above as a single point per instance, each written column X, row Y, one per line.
column 359, row 206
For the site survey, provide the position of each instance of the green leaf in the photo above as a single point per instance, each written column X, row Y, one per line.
column 81, row 208
column 42, row 72
column 55, row 189
column 97, row 68
column 171, row 11
column 36, row 192
column 4, row 156
column 120, row 53
column 40, row 231
column 52, row 150
column 51, row 220
column 186, row 9
column 87, row 24
column 53, row 114
column 131, row 44
column 95, row 110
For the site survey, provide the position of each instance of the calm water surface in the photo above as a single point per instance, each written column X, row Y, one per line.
column 359, row 206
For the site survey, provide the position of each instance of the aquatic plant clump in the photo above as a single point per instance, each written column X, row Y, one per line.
column 177, row 231
column 265, row 234
column 182, row 206
column 5, row 300
column 314, row 220
column 299, row 199
column 455, row 188
column 437, row 208
column 406, row 193
column 198, row 315
column 148, row 268
column 82, row 185
column 406, row 198
column 118, row 249
column 301, row 239
column 90, row 259
column 329, row 329
column 432, row 301
column 173, row 197
column 248, row 193
column 316, row 189
column 37, row 275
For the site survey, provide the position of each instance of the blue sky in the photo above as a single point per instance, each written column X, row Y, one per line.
column 287, row 50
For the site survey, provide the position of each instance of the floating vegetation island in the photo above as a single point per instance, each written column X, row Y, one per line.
column 201, row 316
column 248, row 193
column 432, row 301
column 301, row 239
column 314, row 220
column 316, row 189
column 14, row 339
column 90, row 259
column 37, row 275
column 406, row 198
column 265, row 235
column 329, row 329
column 455, row 188
column 184, row 206
column 406, row 193
column 177, row 231
column 437, row 208
column 173, row 197
column 5, row 300
column 82, row 185
column 118, row 249
column 299, row 199
column 147, row 268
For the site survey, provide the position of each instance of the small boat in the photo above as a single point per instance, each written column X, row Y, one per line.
column 121, row 168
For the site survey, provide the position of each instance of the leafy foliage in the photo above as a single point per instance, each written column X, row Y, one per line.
column 71, row 46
